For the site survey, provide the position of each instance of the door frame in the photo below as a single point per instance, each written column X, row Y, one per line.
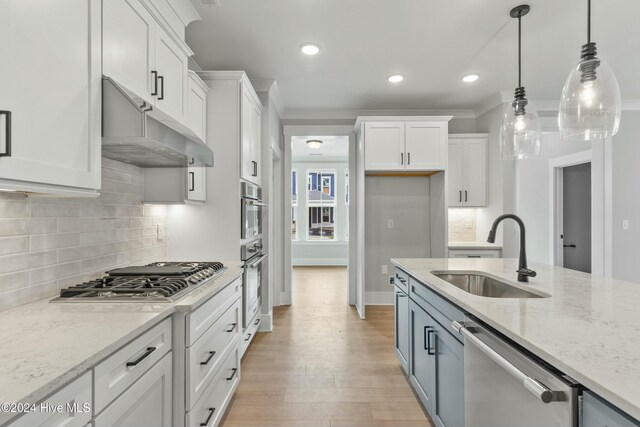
column 275, row 225
column 600, row 180
column 291, row 131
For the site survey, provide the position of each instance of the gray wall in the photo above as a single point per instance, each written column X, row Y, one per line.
column 309, row 252
column 626, row 197
column 406, row 201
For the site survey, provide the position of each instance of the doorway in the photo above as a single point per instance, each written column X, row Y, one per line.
column 318, row 209
column 576, row 212
column 576, row 217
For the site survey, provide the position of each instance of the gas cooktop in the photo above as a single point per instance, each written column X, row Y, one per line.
column 155, row 282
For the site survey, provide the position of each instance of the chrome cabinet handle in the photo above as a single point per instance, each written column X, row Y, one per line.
column 206, row 422
column 7, row 133
column 255, row 168
column 538, row 389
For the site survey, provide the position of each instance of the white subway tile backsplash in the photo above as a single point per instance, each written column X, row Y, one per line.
column 52, row 241
column 14, row 245
column 46, row 244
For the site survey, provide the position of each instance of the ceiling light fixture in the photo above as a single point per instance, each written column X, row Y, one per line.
column 590, row 106
column 310, row 48
column 395, row 78
column 314, row 143
column 521, row 130
column 470, row 78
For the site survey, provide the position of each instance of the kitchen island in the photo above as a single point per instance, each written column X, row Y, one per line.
column 587, row 327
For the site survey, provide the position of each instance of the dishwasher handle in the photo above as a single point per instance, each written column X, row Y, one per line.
column 534, row 386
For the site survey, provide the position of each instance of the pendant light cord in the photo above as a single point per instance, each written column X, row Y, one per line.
column 588, row 21
column 520, row 50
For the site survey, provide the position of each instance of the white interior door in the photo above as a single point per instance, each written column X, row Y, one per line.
column 576, row 212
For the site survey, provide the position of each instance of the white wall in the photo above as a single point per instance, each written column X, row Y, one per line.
column 626, row 197
column 533, row 196
column 313, row 252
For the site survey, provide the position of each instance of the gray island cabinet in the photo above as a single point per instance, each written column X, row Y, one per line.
column 432, row 355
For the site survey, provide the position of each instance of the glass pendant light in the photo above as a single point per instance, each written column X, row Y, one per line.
column 521, row 130
column 590, row 104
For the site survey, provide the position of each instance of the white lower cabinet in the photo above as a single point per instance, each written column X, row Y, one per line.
column 475, row 253
column 73, row 397
column 148, row 402
column 209, row 409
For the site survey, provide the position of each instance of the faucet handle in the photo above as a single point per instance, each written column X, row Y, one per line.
column 527, row 272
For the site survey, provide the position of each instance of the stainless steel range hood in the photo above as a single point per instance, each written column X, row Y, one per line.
column 134, row 132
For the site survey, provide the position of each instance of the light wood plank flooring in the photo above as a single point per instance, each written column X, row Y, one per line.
column 324, row 367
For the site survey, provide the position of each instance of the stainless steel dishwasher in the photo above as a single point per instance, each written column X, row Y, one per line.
column 504, row 387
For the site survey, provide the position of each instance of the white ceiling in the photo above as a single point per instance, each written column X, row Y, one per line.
column 333, row 147
column 432, row 42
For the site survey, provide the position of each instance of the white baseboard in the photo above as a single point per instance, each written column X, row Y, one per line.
column 266, row 325
column 310, row 262
column 378, row 298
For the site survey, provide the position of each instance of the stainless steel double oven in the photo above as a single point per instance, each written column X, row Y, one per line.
column 251, row 252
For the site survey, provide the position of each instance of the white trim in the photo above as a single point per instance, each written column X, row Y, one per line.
column 289, row 132
column 457, row 136
column 266, row 325
column 600, row 255
column 353, row 114
column 325, row 262
column 363, row 119
column 379, row 298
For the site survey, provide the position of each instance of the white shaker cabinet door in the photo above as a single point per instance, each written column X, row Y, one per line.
column 454, row 174
column 384, row 146
column 197, row 184
column 475, row 172
column 50, row 82
column 247, row 106
column 129, row 42
column 256, row 138
column 148, row 402
column 171, row 63
column 197, row 106
column 426, row 146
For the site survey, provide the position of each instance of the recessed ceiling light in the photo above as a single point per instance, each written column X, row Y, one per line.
column 310, row 48
column 396, row 78
column 470, row 78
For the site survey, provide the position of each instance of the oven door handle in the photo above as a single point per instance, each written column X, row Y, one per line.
column 534, row 386
column 255, row 203
column 254, row 264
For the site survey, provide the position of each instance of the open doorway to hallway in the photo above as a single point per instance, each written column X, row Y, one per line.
column 576, row 217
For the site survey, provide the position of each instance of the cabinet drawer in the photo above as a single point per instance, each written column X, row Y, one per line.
column 401, row 280
column 148, row 402
column 475, row 253
column 204, row 316
column 115, row 374
column 444, row 312
column 206, row 355
column 209, row 409
column 77, row 393
column 597, row 413
column 251, row 329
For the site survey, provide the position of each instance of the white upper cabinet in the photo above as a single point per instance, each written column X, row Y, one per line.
column 196, row 184
column 467, row 170
column 129, row 44
column 197, row 106
column 405, row 144
column 250, row 134
column 384, row 146
column 144, row 54
column 50, row 96
column 426, row 145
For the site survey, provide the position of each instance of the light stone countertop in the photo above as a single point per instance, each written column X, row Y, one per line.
column 474, row 246
column 46, row 345
column 589, row 328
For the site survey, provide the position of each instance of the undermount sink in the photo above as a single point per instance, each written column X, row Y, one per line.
column 477, row 283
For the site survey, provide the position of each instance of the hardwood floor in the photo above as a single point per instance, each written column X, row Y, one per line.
column 322, row 366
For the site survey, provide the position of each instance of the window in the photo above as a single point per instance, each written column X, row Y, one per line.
column 321, row 202
column 294, row 205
